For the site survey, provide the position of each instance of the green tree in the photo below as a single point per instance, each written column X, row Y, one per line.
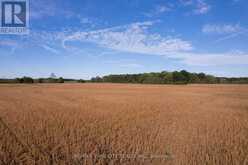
column 168, row 78
column 179, row 78
column 81, row 81
column 28, row 80
column 97, row 79
column 186, row 75
column 194, row 78
column 61, row 80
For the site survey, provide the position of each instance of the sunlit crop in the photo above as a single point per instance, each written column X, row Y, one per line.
column 123, row 124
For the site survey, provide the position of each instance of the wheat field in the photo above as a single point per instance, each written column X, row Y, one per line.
column 123, row 124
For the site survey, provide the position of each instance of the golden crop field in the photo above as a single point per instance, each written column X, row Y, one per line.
column 124, row 124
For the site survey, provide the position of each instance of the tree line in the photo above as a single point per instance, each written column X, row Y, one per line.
column 176, row 77
column 30, row 80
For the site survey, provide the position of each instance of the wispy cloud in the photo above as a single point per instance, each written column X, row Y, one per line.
column 230, row 36
column 137, row 39
column 198, row 7
column 212, row 59
column 132, row 38
column 221, row 29
column 50, row 49
column 186, row 2
column 201, row 7
column 159, row 9
column 226, row 31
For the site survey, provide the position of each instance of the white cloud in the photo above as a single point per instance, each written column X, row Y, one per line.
column 89, row 22
column 234, row 35
column 162, row 8
column 228, row 31
column 159, row 9
column 212, row 59
column 221, row 29
column 201, row 7
column 50, row 49
column 132, row 38
column 186, row 2
column 46, row 40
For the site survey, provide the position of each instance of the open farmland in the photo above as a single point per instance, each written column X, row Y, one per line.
column 123, row 124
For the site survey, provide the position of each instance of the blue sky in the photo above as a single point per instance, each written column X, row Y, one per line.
column 86, row 38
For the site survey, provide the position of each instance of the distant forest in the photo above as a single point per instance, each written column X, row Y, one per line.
column 176, row 77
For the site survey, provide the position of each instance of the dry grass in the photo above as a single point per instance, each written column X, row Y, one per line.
column 63, row 124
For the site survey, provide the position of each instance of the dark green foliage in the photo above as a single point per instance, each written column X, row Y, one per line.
column 60, row 80
column 97, row 79
column 51, row 80
column 194, row 78
column 26, row 80
column 177, row 77
column 19, row 80
column 201, row 76
column 81, row 81
column 182, row 77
